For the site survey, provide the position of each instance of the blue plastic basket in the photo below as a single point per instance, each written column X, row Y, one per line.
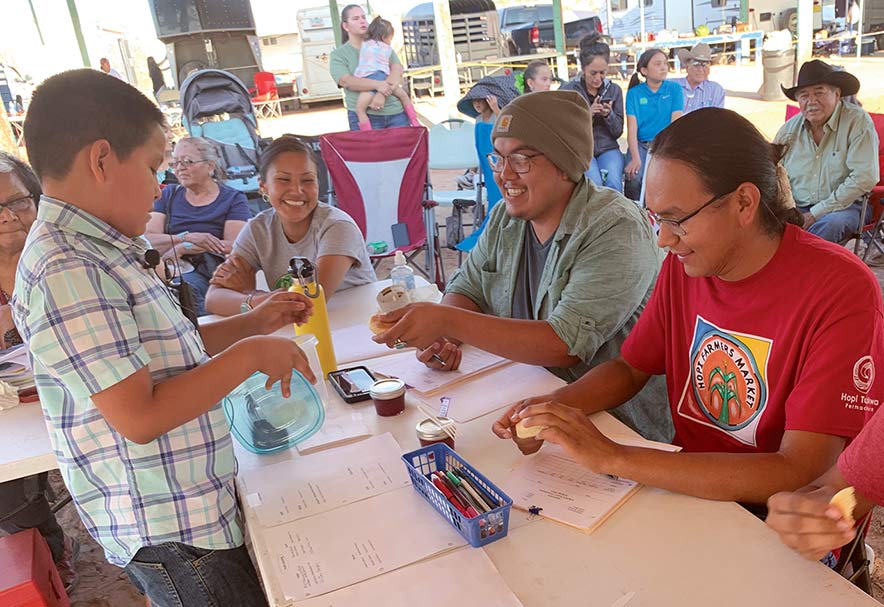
column 479, row 530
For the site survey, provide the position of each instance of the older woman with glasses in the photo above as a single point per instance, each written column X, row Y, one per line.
column 198, row 220
column 23, row 502
column 769, row 374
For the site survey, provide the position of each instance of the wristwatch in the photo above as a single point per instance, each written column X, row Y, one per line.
column 246, row 304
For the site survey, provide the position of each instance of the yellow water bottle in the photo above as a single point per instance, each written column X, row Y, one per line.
column 307, row 282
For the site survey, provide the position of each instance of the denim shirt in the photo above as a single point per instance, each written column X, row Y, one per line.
column 598, row 276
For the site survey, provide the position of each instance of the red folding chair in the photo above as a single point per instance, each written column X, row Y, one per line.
column 379, row 178
column 265, row 88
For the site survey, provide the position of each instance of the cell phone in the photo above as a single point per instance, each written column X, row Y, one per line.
column 352, row 384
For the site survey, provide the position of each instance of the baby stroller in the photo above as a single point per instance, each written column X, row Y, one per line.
column 216, row 105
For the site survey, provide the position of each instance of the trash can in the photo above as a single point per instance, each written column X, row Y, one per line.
column 779, row 69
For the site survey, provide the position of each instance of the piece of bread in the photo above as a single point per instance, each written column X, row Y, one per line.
column 845, row 501
column 377, row 326
column 523, row 431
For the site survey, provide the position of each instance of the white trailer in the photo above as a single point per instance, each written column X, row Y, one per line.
column 630, row 18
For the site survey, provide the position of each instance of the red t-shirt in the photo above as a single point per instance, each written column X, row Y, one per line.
column 792, row 347
column 860, row 464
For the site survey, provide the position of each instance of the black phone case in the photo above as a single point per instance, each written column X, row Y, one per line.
column 349, row 398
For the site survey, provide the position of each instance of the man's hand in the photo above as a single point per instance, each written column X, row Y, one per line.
column 633, row 168
column 417, row 325
column 279, row 309
column 809, row 219
column 571, row 429
column 449, row 352
column 235, row 274
column 505, row 426
column 807, row 523
column 276, row 357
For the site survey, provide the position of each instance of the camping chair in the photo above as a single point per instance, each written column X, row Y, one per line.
column 853, row 560
column 265, row 96
column 867, row 230
column 452, row 147
column 379, row 178
column 492, row 192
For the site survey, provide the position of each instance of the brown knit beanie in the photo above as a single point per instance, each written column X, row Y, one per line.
column 557, row 123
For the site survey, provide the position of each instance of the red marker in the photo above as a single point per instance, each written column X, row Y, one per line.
column 452, row 499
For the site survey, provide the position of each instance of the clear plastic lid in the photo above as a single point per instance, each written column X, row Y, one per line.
column 263, row 421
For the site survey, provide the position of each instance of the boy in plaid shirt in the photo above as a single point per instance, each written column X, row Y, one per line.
column 130, row 389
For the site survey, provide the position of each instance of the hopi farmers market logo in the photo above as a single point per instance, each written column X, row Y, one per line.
column 728, row 381
column 864, row 374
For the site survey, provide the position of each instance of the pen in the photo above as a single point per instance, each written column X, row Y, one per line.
column 490, row 500
column 439, row 360
column 468, row 485
column 448, row 495
column 462, row 489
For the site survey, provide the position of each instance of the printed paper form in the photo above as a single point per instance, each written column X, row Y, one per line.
column 567, row 491
column 465, row 570
column 310, row 485
column 416, row 374
column 336, row 431
column 354, row 344
column 356, row 542
column 497, row 389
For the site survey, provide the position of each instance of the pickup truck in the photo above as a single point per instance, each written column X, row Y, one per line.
column 528, row 29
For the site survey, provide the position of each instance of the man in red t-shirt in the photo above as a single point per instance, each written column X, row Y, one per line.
column 768, row 336
column 807, row 522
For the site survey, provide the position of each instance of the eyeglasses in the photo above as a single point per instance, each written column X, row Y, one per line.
column 519, row 163
column 703, row 64
column 185, row 163
column 25, row 203
column 674, row 225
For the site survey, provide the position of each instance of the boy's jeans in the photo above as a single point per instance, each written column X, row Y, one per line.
column 178, row 575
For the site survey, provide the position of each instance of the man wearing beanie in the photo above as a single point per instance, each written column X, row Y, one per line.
column 562, row 270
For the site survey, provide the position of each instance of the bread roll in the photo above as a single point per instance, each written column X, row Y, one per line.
column 377, row 326
column 845, row 501
column 523, row 431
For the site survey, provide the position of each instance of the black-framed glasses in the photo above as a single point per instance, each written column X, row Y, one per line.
column 185, row 163
column 674, row 225
column 519, row 163
column 18, row 205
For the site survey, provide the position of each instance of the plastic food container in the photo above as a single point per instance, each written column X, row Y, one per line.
column 263, row 421
column 388, row 396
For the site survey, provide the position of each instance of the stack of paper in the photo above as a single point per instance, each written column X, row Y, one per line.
column 566, row 491
column 15, row 368
column 428, row 381
column 342, row 516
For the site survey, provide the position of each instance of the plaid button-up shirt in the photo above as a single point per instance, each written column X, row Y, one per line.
column 92, row 315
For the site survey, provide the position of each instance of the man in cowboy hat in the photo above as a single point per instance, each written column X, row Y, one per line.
column 698, row 90
column 832, row 151
column 562, row 269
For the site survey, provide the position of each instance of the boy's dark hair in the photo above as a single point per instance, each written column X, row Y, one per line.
column 281, row 145
column 379, row 29
column 14, row 166
column 72, row 110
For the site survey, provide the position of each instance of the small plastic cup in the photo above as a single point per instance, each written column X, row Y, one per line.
column 388, row 396
column 308, row 344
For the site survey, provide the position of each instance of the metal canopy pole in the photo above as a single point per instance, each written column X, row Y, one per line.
column 559, row 31
column 336, row 20
column 447, row 56
column 859, row 30
column 81, row 42
column 805, row 31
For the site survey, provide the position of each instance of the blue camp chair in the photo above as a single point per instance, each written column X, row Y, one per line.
column 492, row 192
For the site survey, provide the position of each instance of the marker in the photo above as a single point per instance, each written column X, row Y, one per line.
column 469, row 510
column 462, row 488
column 486, row 499
column 448, row 495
